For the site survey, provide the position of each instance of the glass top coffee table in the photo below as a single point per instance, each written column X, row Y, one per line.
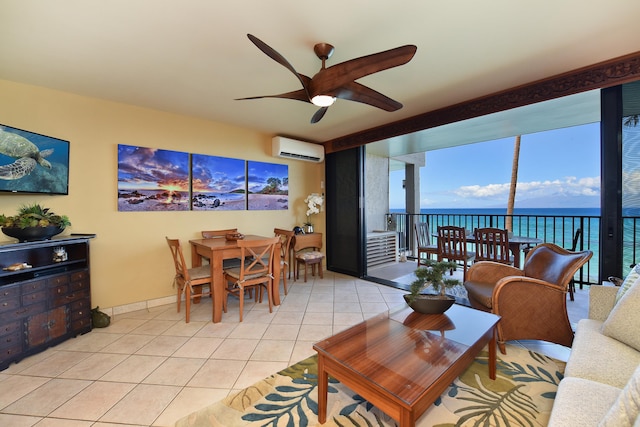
column 402, row 361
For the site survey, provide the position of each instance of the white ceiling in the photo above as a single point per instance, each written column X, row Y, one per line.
column 192, row 57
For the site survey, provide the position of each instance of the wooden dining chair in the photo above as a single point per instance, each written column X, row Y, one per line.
column 492, row 244
column 213, row 234
column 191, row 281
column 452, row 245
column 286, row 237
column 307, row 252
column 424, row 241
column 255, row 271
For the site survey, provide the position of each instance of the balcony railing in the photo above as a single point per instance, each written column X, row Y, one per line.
column 554, row 229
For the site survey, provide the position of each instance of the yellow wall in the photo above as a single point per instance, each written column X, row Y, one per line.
column 130, row 260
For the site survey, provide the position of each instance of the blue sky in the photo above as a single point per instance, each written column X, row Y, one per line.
column 558, row 168
column 213, row 174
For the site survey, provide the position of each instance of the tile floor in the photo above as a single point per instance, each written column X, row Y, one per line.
column 149, row 368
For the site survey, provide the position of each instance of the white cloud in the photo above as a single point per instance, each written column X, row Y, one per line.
column 568, row 186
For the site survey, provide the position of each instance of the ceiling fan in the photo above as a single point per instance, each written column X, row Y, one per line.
column 339, row 81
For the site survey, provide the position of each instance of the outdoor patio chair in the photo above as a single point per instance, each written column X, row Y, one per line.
column 424, row 241
column 452, row 245
column 492, row 244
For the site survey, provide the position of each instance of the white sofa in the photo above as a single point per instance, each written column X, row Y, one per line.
column 601, row 385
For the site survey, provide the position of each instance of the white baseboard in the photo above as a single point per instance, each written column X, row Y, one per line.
column 141, row 305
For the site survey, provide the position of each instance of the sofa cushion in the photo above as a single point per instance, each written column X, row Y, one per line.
column 623, row 322
column 581, row 402
column 631, row 278
column 595, row 356
column 626, row 408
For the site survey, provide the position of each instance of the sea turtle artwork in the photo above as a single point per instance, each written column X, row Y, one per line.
column 26, row 153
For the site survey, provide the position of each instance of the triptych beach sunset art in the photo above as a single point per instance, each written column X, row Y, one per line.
column 151, row 179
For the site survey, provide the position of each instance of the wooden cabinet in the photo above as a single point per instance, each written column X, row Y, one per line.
column 44, row 304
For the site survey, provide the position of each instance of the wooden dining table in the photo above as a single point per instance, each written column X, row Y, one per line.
column 217, row 250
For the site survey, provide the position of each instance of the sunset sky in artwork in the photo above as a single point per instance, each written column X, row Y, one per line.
column 141, row 168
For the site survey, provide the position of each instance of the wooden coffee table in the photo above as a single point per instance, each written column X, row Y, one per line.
column 402, row 361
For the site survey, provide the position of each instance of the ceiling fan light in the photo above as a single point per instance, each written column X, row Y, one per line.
column 323, row 100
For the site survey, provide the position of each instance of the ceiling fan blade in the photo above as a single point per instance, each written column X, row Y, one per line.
column 273, row 54
column 299, row 95
column 354, row 91
column 345, row 72
column 319, row 115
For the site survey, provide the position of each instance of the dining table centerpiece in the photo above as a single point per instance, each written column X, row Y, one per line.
column 314, row 202
column 33, row 222
column 431, row 276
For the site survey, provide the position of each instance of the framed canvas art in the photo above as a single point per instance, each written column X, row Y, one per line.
column 150, row 179
column 217, row 183
column 267, row 186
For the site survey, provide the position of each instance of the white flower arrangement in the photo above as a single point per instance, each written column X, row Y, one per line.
column 314, row 201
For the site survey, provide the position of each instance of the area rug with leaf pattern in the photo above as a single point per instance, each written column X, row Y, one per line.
column 521, row 395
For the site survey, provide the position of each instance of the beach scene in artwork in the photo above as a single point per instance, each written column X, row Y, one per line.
column 218, row 183
column 268, row 186
column 150, row 179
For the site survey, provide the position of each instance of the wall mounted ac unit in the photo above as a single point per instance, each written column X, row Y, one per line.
column 299, row 150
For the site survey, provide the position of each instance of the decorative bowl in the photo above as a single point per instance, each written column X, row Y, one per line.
column 234, row 236
column 32, row 234
column 430, row 304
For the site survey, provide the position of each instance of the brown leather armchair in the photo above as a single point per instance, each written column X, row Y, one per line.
column 531, row 301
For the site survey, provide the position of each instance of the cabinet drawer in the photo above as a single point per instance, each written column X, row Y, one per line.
column 80, row 308
column 21, row 312
column 9, row 304
column 69, row 297
column 79, row 285
column 9, row 291
column 58, row 292
column 81, row 325
column 79, row 276
column 9, row 353
column 34, row 297
column 11, row 340
column 36, row 286
column 10, row 328
column 58, row 280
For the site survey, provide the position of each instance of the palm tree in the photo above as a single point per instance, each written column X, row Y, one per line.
column 514, row 180
column 631, row 121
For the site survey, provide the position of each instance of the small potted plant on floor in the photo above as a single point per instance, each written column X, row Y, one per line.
column 33, row 222
column 431, row 275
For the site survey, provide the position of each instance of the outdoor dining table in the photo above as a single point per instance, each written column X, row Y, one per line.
column 516, row 244
column 217, row 250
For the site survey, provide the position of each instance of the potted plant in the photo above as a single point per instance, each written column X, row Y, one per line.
column 33, row 222
column 431, row 275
